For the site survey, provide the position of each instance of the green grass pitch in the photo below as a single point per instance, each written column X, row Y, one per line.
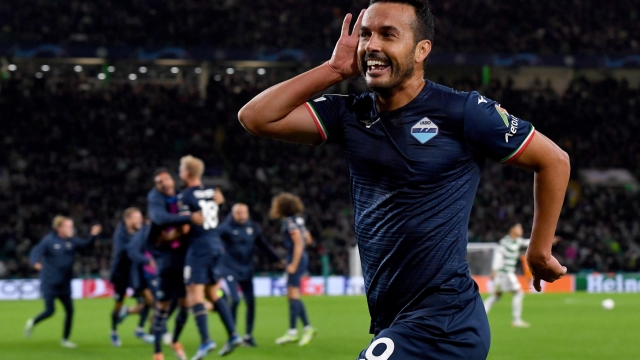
column 564, row 326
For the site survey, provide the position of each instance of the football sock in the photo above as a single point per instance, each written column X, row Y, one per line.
column 517, row 305
column 144, row 314
column 159, row 328
column 225, row 315
column 302, row 312
column 200, row 315
column 293, row 313
column 181, row 319
column 114, row 320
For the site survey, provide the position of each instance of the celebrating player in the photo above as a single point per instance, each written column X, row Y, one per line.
column 202, row 256
column 287, row 207
column 121, row 267
column 167, row 227
column 415, row 150
column 240, row 235
column 54, row 257
column 144, row 277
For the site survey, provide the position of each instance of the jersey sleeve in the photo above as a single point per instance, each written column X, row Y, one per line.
column 492, row 132
column 327, row 112
column 291, row 225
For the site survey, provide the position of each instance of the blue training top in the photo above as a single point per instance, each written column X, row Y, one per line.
column 414, row 174
column 57, row 256
column 239, row 242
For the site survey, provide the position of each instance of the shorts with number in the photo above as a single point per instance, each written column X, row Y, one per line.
column 461, row 335
column 170, row 286
column 295, row 279
column 504, row 282
column 203, row 271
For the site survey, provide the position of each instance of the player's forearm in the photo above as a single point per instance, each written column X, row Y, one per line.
column 280, row 100
column 550, row 186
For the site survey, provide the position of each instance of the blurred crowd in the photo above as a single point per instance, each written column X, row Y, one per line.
column 89, row 152
column 476, row 26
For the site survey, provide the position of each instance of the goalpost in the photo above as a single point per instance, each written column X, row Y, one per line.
column 480, row 257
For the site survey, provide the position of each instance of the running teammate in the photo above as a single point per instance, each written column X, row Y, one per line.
column 54, row 257
column 203, row 254
column 240, row 235
column 168, row 251
column 415, row 150
column 287, row 208
column 121, row 267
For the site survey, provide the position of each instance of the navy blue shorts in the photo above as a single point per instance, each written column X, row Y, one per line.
column 295, row 279
column 203, row 271
column 170, row 286
column 462, row 335
column 120, row 285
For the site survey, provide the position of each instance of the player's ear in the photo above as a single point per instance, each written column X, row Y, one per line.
column 423, row 49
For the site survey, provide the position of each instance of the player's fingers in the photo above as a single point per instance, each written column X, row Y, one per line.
column 356, row 27
column 345, row 24
column 536, row 283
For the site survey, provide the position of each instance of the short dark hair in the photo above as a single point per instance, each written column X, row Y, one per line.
column 161, row 171
column 424, row 28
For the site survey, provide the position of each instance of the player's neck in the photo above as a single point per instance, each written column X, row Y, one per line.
column 401, row 95
column 193, row 182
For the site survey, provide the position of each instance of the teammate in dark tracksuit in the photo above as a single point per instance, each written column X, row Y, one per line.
column 286, row 207
column 168, row 251
column 120, row 274
column 200, row 271
column 54, row 257
column 239, row 236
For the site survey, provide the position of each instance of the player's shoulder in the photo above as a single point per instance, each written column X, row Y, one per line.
column 456, row 103
column 154, row 194
column 361, row 105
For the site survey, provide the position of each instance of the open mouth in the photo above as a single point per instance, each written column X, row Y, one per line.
column 376, row 67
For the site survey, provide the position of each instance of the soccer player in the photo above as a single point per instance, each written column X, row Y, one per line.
column 287, row 208
column 168, row 251
column 203, row 253
column 54, row 257
column 503, row 273
column 240, row 235
column 121, row 267
column 415, row 151
column 144, row 277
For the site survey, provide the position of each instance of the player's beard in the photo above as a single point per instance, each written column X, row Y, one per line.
column 399, row 73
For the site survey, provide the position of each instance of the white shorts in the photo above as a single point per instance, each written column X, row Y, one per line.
column 506, row 283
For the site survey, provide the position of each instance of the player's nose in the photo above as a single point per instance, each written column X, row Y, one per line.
column 373, row 44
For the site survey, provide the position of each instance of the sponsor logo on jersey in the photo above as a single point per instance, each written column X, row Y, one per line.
column 424, row 130
column 249, row 231
column 56, row 246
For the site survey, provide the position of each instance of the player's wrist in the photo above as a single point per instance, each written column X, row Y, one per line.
column 335, row 74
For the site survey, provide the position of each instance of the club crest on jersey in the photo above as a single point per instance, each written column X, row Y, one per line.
column 424, row 130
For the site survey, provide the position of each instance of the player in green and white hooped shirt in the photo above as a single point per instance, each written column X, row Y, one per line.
column 503, row 274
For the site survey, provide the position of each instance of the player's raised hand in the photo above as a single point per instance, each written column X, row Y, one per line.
column 37, row 266
column 547, row 269
column 218, row 197
column 96, row 229
column 344, row 60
